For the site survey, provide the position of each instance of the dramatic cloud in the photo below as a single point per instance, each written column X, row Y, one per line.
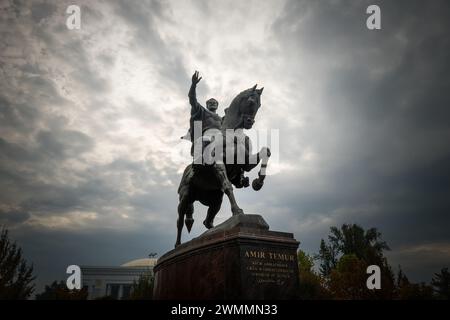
column 90, row 121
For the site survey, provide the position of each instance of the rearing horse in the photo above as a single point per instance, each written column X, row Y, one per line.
column 208, row 182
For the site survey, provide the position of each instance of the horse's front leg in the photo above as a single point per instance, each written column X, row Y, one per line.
column 226, row 186
column 252, row 160
column 263, row 155
column 212, row 211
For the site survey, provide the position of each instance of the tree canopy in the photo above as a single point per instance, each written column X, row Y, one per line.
column 16, row 276
column 343, row 262
column 142, row 289
column 59, row 291
column 441, row 284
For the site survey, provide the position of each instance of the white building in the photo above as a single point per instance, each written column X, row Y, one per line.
column 114, row 281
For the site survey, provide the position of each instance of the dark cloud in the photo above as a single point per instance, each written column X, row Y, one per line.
column 387, row 92
column 41, row 11
column 13, row 217
column 64, row 144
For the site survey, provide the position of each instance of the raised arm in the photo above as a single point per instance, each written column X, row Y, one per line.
column 195, row 106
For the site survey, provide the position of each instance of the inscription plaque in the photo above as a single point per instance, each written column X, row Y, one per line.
column 265, row 266
column 271, row 270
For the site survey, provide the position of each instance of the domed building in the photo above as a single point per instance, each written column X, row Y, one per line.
column 112, row 281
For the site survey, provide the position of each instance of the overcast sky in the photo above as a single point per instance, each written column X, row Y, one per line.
column 90, row 120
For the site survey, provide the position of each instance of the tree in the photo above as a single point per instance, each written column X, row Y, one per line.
column 412, row 291
column 415, row 291
column 441, row 284
column 59, row 291
column 311, row 284
column 305, row 261
column 351, row 239
column 348, row 280
column 143, row 288
column 353, row 247
column 16, row 277
column 327, row 256
column 402, row 279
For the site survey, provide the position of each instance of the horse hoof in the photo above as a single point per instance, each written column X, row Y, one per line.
column 208, row 224
column 189, row 222
column 257, row 184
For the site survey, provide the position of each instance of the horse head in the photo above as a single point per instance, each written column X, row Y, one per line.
column 242, row 110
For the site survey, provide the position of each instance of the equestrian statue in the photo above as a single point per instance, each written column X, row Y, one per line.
column 221, row 155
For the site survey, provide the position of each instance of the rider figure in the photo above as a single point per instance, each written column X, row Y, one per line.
column 210, row 123
column 208, row 116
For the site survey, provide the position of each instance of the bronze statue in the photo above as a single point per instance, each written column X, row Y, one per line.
column 207, row 181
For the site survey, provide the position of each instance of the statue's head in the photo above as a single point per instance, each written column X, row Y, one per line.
column 243, row 109
column 212, row 104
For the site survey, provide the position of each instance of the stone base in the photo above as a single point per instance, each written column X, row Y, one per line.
column 238, row 259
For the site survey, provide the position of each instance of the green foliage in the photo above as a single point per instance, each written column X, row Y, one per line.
column 441, row 284
column 327, row 256
column 350, row 251
column 312, row 287
column 311, row 284
column 348, row 280
column 16, row 277
column 350, row 239
column 344, row 261
column 412, row 291
column 59, row 291
column 143, row 288
column 305, row 261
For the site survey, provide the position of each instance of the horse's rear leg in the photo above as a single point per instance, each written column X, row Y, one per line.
column 189, row 221
column 185, row 208
column 227, row 188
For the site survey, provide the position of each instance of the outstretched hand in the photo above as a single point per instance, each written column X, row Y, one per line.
column 195, row 78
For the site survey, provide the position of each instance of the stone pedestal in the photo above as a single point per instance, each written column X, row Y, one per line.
column 238, row 259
